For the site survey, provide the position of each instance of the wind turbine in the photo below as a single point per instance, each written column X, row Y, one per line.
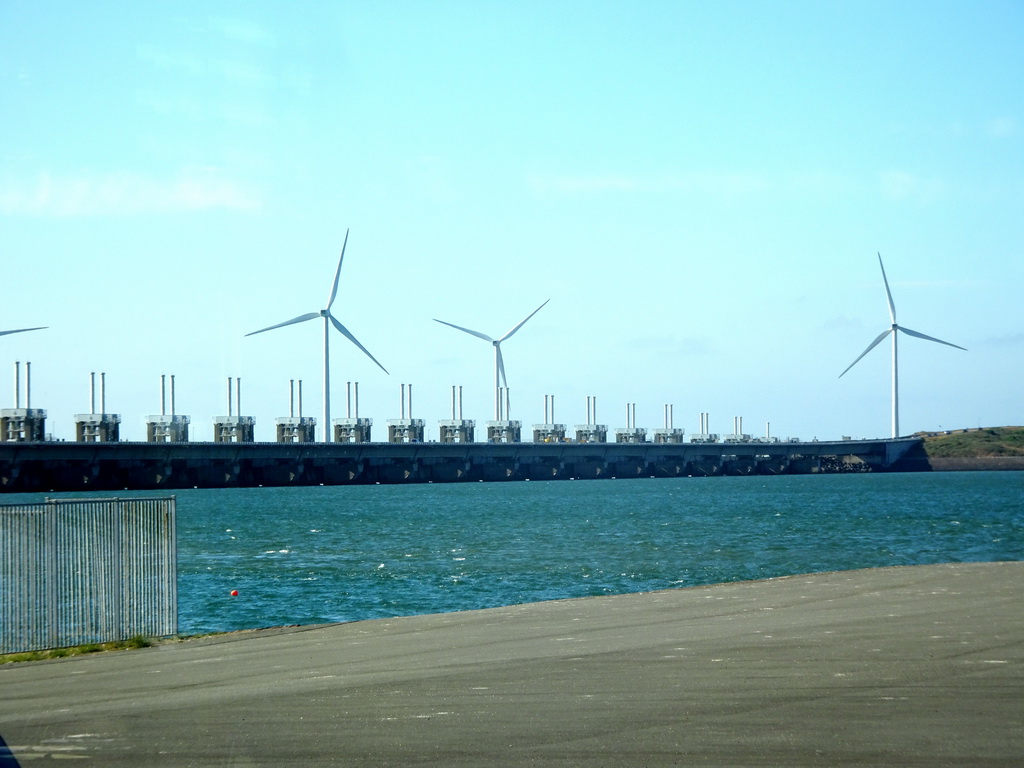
column 329, row 320
column 895, row 372
column 499, row 365
column 22, row 330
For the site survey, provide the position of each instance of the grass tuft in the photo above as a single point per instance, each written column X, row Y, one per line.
column 132, row 643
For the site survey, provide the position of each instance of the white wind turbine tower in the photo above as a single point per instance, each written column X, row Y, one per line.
column 499, row 365
column 895, row 370
column 329, row 320
column 22, row 330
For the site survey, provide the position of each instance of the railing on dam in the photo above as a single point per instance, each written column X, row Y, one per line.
column 74, row 572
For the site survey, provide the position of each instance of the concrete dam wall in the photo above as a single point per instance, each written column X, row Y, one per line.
column 59, row 466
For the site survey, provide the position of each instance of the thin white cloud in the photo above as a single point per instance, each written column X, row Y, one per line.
column 724, row 183
column 671, row 346
column 237, row 71
column 248, row 115
column 1002, row 127
column 842, row 323
column 167, row 60
column 244, row 31
column 165, row 104
column 729, row 184
column 902, row 186
column 941, row 284
column 124, row 194
column 241, row 73
column 820, row 183
column 1009, row 340
column 584, row 184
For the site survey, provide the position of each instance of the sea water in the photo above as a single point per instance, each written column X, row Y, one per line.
column 344, row 553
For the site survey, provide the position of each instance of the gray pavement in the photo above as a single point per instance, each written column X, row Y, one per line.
column 918, row 666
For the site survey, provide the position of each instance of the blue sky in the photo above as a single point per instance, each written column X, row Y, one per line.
column 699, row 188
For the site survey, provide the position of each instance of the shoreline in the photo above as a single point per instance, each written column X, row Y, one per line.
column 977, row 464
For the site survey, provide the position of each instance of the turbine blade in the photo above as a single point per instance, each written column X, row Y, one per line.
column 888, row 293
column 538, row 309
column 337, row 275
column 479, row 335
column 928, row 338
column 22, row 330
column 501, row 365
column 299, row 319
column 871, row 346
column 345, row 332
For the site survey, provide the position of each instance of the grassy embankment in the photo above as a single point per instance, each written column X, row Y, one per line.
column 985, row 443
column 75, row 650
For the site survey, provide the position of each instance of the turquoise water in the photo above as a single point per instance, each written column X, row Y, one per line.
column 307, row 555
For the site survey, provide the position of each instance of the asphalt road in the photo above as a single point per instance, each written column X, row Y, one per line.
column 919, row 666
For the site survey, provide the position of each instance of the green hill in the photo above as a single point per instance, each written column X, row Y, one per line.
column 989, row 442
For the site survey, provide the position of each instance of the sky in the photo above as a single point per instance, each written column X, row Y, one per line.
column 700, row 189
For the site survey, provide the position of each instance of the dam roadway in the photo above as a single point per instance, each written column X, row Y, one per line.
column 69, row 466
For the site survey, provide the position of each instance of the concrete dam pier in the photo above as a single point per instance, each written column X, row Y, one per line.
column 55, row 466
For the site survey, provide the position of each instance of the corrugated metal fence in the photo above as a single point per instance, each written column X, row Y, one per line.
column 86, row 571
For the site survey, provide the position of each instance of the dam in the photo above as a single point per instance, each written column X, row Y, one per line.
column 47, row 466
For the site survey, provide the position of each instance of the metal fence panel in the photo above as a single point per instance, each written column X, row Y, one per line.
column 75, row 571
